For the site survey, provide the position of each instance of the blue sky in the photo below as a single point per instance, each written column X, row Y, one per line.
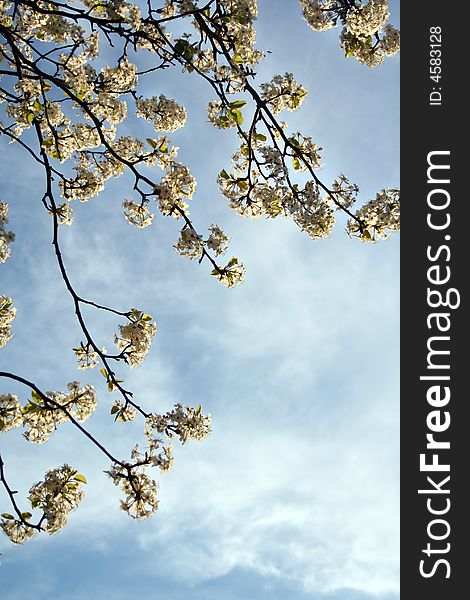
column 295, row 493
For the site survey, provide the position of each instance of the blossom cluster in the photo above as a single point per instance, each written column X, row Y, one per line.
column 166, row 114
column 11, row 414
column 235, row 32
column 42, row 415
column 136, row 337
column 261, row 185
column 139, row 489
column 377, row 219
column 6, row 237
column 15, row 529
column 56, row 496
column 7, row 314
column 87, row 358
column 217, row 241
column 317, row 15
column 191, row 245
column 175, row 186
column 283, row 92
column 136, row 214
column 184, row 421
column 232, row 274
column 344, row 192
column 122, row 412
column 367, row 19
column 363, row 26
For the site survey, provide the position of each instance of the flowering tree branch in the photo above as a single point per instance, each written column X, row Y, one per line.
column 65, row 112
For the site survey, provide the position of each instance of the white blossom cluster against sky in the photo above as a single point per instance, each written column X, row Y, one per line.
column 295, row 493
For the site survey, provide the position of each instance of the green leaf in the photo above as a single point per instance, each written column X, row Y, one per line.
column 8, row 516
column 37, row 105
column 151, row 142
column 115, row 409
column 26, row 515
column 237, row 59
column 146, row 317
column 182, row 46
column 79, row 477
column 242, row 19
column 224, row 174
column 296, row 163
column 104, row 372
column 260, row 137
column 110, row 386
column 236, row 116
column 36, row 397
column 237, row 104
column 233, row 261
column 30, row 117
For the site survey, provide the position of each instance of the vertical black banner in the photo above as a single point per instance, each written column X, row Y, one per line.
column 434, row 309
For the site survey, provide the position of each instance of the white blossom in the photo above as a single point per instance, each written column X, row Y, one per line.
column 57, row 495
column 378, row 218
column 166, row 113
column 390, row 42
column 232, row 274
column 123, row 413
column 316, row 14
column 283, row 92
column 6, row 237
column 11, row 414
column 183, row 421
column 41, row 417
column 178, row 183
column 140, row 501
column 7, row 314
column 217, row 241
column 137, row 214
column 365, row 20
column 118, row 80
column 16, row 530
column 189, row 244
column 136, row 337
column 312, row 214
column 86, row 357
column 64, row 214
column 345, row 192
